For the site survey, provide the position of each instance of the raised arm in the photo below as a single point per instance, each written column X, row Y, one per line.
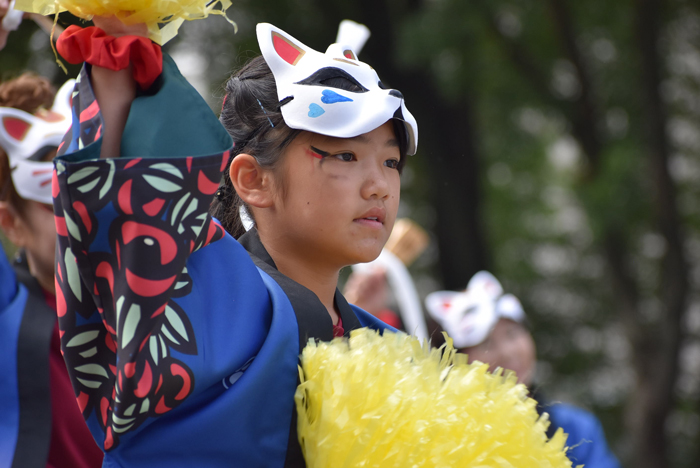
column 127, row 227
column 114, row 90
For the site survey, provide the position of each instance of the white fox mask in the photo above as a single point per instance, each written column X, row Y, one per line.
column 309, row 104
column 26, row 139
column 469, row 317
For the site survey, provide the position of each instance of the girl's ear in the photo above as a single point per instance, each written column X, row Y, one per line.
column 252, row 183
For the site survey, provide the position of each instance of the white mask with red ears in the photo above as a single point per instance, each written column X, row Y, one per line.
column 469, row 317
column 309, row 103
column 26, row 138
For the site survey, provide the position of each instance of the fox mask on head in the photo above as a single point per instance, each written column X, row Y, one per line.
column 308, row 99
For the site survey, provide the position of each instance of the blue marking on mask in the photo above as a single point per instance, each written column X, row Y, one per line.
column 315, row 110
column 331, row 97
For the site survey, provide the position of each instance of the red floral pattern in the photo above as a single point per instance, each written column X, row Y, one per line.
column 119, row 320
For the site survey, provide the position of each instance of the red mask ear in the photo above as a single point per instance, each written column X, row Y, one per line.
column 286, row 49
column 16, row 128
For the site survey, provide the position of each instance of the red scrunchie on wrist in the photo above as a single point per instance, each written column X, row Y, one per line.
column 94, row 46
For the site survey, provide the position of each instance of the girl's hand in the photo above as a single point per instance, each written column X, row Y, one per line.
column 115, row 90
column 114, row 27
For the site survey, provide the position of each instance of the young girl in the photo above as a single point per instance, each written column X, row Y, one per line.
column 182, row 333
column 40, row 423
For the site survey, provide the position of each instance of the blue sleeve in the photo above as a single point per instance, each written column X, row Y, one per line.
column 8, row 281
column 586, row 438
column 370, row 321
column 12, row 301
column 158, row 307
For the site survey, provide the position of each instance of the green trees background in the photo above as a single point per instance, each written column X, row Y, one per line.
column 560, row 149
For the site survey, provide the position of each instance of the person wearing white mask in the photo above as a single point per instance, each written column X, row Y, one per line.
column 491, row 327
column 11, row 18
column 41, row 424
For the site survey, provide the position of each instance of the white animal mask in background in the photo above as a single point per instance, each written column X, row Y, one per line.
column 468, row 317
column 26, row 138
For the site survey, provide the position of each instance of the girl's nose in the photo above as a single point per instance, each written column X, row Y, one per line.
column 375, row 184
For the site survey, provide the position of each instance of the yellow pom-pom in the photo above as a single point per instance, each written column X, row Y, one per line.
column 386, row 401
column 163, row 17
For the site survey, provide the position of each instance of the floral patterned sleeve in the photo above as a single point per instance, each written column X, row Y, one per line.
column 126, row 228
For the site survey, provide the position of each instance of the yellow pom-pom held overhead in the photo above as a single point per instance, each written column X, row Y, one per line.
column 163, row 17
column 386, row 401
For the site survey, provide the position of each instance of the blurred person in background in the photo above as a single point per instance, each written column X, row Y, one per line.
column 491, row 327
column 370, row 292
column 10, row 19
column 4, row 18
column 40, row 421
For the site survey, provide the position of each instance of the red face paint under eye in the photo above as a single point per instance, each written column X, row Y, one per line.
column 316, row 153
column 312, row 154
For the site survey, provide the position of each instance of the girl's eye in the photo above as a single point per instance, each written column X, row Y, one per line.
column 347, row 157
column 392, row 163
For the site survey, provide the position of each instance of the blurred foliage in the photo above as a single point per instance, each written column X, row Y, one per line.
column 549, row 196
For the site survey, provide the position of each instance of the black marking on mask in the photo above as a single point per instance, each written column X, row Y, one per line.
column 393, row 92
column 284, row 101
column 332, row 77
column 41, row 153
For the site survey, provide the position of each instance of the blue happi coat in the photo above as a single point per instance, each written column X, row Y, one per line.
column 182, row 343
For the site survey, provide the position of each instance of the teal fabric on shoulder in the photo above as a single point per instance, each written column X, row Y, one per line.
column 183, row 126
column 173, row 121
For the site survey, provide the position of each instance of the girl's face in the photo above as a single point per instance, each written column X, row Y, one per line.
column 509, row 346
column 337, row 198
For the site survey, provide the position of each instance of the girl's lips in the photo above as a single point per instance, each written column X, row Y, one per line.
column 373, row 223
column 372, row 217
